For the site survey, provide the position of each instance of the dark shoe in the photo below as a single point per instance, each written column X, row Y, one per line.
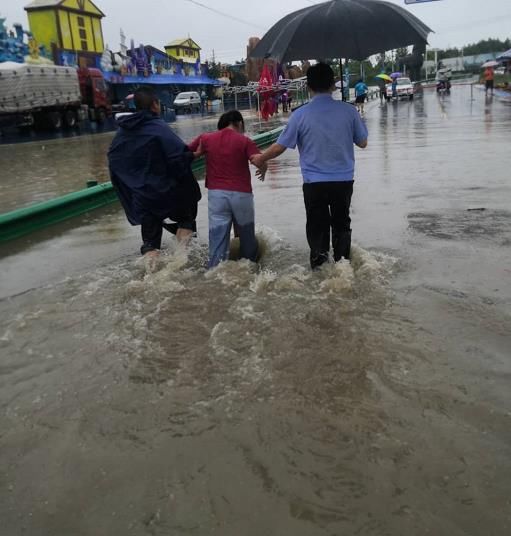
column 317, row 260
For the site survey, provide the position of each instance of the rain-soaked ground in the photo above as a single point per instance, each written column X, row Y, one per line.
column 364, row 399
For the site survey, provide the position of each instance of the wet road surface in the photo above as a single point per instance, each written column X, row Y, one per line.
column 370, row 398
column 43, row 169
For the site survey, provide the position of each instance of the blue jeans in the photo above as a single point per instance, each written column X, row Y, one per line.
column 224, row 209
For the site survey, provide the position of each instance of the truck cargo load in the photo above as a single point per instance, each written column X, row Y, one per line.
column 25, row 87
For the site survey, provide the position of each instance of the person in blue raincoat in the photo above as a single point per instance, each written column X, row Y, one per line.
column 150, row 169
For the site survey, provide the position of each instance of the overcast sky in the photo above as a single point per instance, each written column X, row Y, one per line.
column 156, row 22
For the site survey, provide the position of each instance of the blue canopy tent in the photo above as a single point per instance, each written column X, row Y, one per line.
column 506, row 56
column 161, row 79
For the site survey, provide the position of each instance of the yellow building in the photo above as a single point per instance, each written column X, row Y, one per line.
column 68, row 29
column 184, row 49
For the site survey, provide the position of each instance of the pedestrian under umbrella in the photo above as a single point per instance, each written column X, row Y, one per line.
column 382, row 80
column 384, row 77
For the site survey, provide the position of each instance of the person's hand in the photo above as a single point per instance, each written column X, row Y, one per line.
column 261, row 172
column 199, row 152
column 257, row 160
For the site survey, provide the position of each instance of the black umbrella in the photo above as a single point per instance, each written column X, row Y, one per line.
column 352, row 29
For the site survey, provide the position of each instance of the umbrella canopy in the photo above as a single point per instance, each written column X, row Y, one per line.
column 396, row 74
column 384, row 76
column 490, row 63
column 352, row 29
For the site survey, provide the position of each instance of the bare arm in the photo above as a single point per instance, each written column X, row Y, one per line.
column 362, row 144
column 272, row 152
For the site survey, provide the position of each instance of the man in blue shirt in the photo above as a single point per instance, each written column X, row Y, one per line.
column 360, row 95
column 324, row 131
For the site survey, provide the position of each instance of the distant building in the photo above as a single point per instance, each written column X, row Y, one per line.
column 461, row 63
column 70, row 29
column 254, row 66
column 186, row 50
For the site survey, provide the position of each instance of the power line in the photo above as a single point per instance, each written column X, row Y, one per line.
column 221, row 13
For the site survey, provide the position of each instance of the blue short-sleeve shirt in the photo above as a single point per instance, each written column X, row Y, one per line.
column 361, row 89
column 324, row 131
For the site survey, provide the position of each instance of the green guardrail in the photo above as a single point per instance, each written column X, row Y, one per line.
column 26, row 220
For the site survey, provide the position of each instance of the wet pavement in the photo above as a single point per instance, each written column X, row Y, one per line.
column 370, row 398
column 46, row 168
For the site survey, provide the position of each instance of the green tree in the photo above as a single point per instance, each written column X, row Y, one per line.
column 214, row 70
column 238, row 78
column 484, row 46
column 362, row 69
column 487, row 45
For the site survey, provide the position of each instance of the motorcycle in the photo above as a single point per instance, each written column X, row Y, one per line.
column 444, row 87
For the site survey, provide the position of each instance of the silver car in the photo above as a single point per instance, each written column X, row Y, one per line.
column 188, row 101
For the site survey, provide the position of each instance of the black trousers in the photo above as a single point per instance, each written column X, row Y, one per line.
column 152, row 230
column 152, row 227
column 327, row 205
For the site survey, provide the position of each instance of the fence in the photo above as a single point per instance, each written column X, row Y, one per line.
column 249, row 97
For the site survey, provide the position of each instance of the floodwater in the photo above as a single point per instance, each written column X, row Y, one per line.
column 363, row 399
column 43, row 169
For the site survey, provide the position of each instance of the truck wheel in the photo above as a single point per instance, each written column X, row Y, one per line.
column 70, row 118
column 54, row 120
column 100, row 116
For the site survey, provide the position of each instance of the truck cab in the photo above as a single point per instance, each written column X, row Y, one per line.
column 94, row 93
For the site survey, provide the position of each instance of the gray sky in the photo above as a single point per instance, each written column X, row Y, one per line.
column 156, row 22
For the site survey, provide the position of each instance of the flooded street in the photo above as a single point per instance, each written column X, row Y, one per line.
column 363, row 399
column 43, row 169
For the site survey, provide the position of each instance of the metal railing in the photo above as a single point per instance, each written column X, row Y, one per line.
column 249, row 97
column 29, row 219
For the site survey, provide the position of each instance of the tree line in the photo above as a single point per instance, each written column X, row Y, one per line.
column 484, row 46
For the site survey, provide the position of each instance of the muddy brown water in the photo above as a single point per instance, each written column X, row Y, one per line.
column 364, row 399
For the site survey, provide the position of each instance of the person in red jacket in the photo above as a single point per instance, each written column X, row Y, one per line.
column 228, row 153
column 489, row 76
